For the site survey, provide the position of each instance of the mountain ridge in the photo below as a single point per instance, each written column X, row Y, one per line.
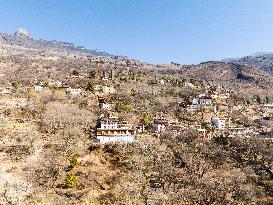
column 23, row 38
column 260, row 60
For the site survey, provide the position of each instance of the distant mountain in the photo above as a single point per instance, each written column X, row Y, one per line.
column 23, row 38
column 261, row 60
column 227, row 73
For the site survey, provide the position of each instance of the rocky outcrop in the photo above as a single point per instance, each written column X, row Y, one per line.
column 23, row 38
column 22, row 32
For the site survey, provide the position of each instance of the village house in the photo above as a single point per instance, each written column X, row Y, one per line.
column 162, row 82
column 218, row 123
column 175, row 129
column 205, row 134
column 188, row 84
column 223, row 96
column 7, row 90
column 239, row 131
column 38, row 88
column 107, row 74
column 104, row 74
column 97, row 87
column 202, row 100
column 195, row 101
column 105, row 104
column 112, row 129
column 205, row 100
column 73, row 91
column 220, row 107
column 214, row 96
column 108, row 89
column 160, row 125
column 141, row 128
column 216, row 92
column 56, row 83
column 192, row 108
column 76, row 74
column 163, row 125
column 266, row 111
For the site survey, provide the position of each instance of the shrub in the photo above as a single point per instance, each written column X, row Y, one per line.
column 73, row 161
column 122, row 107
column 178, row 82
column 71, row 180
column 147, row 120
column 75, row 72
column 90, row 87
column 15, row 85
column 58, row 95
column 92, row 74
column 94, row 147
column 111, row 148
column 133, row 92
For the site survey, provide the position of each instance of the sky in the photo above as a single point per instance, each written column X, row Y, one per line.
column 155, row 31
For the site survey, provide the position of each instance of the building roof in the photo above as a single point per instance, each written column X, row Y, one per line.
column 175, row 128
column 116, row 129
column 104, row 100
column 205, row 98
column 161, row 121
column 110, row 119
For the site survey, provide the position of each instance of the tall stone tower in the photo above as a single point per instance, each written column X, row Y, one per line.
column 97, row 71
column 112, row 74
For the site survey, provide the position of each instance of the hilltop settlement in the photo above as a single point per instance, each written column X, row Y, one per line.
column 87, row 127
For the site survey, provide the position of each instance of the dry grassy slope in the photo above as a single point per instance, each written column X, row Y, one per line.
column 33, row 165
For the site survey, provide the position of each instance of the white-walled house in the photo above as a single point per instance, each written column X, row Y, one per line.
column 218, row 123
column 205, row 100
column 240, row 131
column 38, row 88
column 111, row 129
column 73, row 91
column 202, row 100
column 108, row 89
column 7, row 90
column 224, row 96
column 192, row 108
column 104, row 104
column 195, row 101
column 160, row 125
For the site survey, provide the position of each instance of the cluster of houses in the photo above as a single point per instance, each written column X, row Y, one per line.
column 161, row 124
column 112, row 129
column 72, row 90
column 208, row 100
column 214, row 103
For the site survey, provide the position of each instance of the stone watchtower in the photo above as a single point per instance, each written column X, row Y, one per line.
column 97, row 71
column 112, row 74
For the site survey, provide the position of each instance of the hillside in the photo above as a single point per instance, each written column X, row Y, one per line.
column 51, row 108
column 262, row 61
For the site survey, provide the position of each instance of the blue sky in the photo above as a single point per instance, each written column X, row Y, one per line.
column 157, row 31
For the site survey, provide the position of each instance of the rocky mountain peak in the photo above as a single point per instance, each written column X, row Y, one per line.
column 22, row 32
